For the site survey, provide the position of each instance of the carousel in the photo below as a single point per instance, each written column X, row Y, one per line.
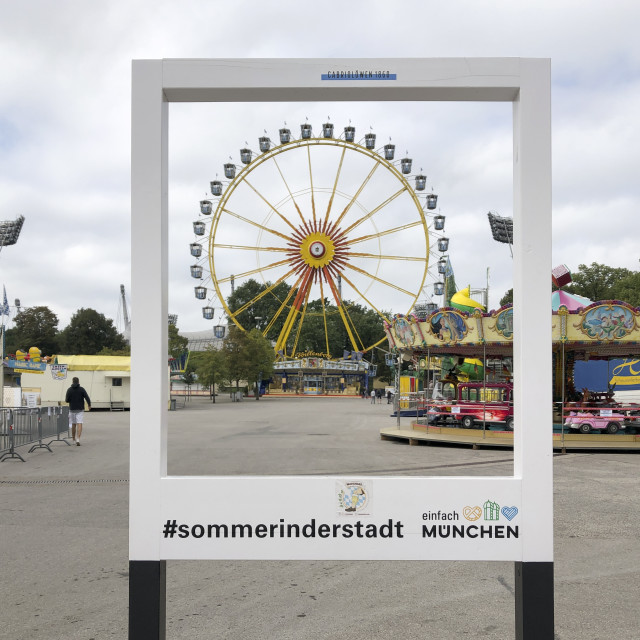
column 452, row 408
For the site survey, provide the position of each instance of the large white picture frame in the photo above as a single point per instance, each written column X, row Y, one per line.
column 245, row 517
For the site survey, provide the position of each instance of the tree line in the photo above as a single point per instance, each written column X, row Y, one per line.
column 88, row 332
column 261, row 309
column 600, row 282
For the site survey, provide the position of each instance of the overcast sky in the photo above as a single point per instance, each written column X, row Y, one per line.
column 65, row 97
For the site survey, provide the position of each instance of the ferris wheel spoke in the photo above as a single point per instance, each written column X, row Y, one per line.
column 255, row 224
column 380, row 280
column 356, row 196
column 375, row 344
column 263, row 293
column 246, row 248
column 373, row 212
column 303, row 313
column 283, row 218
column 267, row 267
column 324, row 316
column 313, row 202
column 380, row 256
column 307, row 280
column 338, row 299
column 359, row 344
column 295, row 204
column 364, row 297
column 333, row 192
column 374, row 236
column 282, row 307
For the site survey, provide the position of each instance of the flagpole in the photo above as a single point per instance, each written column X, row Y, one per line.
column 2, row 362
column 5, row 311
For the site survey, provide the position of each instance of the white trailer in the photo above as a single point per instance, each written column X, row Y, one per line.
column 105, row 378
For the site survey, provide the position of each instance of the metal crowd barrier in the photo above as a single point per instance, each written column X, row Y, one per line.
column 20, row 426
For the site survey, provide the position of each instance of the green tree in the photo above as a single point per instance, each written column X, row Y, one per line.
column 507, row 298
column 368, row 324
column 189, row 375
column 627, row 289
column 235, row 355
column 260, row 359
column 385, row 373
column 260, row 310
column 177, row 343
column 597, row 281
column 248, row 357
column 365, row 324
column 311, row 335
column 108, row 351
column 34, row 327
column 88, row 332
column 211, row 369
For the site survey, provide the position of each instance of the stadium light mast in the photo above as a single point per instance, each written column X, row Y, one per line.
column 501, row 229
column 9, row 234
column 10, row 231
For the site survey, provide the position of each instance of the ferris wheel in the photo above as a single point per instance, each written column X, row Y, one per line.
column 329, row 226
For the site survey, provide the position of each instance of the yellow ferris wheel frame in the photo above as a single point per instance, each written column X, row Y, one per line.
column 322, row 248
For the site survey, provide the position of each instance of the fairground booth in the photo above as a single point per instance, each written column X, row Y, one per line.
column 315, row 375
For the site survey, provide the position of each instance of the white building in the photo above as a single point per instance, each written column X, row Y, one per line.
column 105, row 378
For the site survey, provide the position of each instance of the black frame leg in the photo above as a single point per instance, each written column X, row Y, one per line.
column 147, row 599
column 534, row 601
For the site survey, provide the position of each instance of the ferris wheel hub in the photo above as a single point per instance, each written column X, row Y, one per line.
column 317, row 249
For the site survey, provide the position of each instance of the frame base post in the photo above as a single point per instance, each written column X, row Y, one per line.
column 534, row 600
column 147, row 599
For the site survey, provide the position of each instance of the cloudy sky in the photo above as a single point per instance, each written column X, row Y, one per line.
column 65, row 82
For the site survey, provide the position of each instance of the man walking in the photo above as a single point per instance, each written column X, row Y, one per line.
column 76, row 395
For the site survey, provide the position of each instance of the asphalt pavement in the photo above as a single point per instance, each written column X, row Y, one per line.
column 65, row 540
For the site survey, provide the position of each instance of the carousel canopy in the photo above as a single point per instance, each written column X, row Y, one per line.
column 572, row 301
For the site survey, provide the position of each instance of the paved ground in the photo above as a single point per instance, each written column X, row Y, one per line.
column 65, row 558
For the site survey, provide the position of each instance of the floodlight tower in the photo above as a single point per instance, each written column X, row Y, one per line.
column 501, row 229
column 9, row 233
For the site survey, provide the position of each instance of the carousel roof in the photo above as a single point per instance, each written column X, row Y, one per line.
column 572, row 301
column 607, row 328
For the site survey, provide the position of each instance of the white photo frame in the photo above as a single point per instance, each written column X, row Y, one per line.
column 201, row 507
